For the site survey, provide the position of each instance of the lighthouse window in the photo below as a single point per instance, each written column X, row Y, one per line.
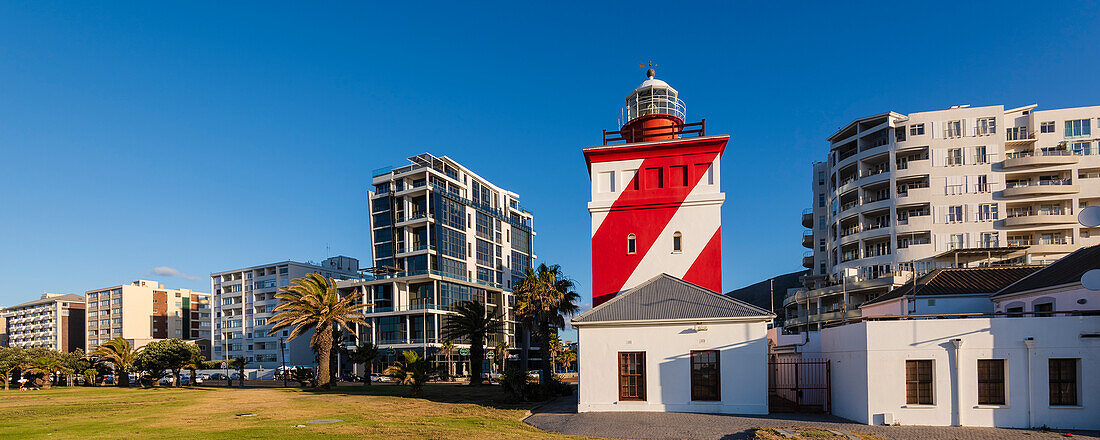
column 676, row 242
column 630, row 179
column 631, row 244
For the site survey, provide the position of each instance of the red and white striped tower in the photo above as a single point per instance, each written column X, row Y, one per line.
column 656, row 200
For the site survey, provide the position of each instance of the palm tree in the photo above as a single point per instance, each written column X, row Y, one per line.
column 447, row 347
column 501, row 352
column 238, row 363
column 414, row 370
column 567, row 358
column 554, row 345
column 472, row 322
column 544, row 298
column 197, row 362
column 364, row 354
column 46, row 366
column 314, row 303
column 120, row 353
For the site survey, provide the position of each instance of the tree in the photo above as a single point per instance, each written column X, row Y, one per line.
column 447, row 347
column 196, row 362
column 472, row 322
column 414, row 370
column 543, row 299
column 46, row 365
column 501, row 352
column 121, row 354
column 89, row 377
column 314, row 303
column 554, row 345
column 12, row 359
column 167, row 354
column 567, row 358
column 75, row 363
column 238, row 364
column 364, row 354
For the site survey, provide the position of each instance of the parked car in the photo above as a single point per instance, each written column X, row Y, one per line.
column 166, row 380
column 381, row 378
column 109, row 379
column 218, row 376
column 351, row 378
column 186, row 380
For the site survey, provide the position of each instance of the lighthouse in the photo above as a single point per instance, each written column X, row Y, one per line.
column 656, row 201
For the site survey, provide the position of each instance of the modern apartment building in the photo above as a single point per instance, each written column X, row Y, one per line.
column 144, row 311
column 244, row 301
column 54, row 321
column 441, row 234
column 967, row 186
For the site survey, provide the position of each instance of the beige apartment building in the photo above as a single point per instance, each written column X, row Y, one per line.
column 962, row 187
column 54, row 321
column 144, row 311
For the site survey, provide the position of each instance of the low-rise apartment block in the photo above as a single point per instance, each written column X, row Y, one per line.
column 968, row 186
column 243, row 302
column 54, row 321
column 144, row 311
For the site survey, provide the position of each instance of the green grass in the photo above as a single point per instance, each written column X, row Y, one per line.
column 445, row 412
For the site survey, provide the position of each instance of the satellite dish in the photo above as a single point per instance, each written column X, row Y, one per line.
column 1091, row 280
column 1089, row 216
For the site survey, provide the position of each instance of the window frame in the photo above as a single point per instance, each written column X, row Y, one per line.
column 714, row 386
column 915, row 398
column 641, row 385
column 677, row 243
column 1046, row 127
column 1074, row 381
column 916, row 129
column 631, row 244
column 990, row 382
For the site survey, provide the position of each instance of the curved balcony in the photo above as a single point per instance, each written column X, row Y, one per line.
column 1052, row 248
column 870, row 179
column 1040, row 159
column 808, row 259
column 1039, row 189
column 1040, row 219
column 808, row 217
column 808, row 239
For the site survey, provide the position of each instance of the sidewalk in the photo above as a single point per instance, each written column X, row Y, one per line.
column 561, row 416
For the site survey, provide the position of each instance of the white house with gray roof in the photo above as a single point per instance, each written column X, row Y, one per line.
column 669, row 345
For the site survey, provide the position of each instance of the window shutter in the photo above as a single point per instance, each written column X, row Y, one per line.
column 966, row 212
column 938, row 158
column 932, row 130
column 966, row 151
column 963, row 128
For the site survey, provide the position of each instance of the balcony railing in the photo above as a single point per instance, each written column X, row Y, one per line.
column 1020, row 184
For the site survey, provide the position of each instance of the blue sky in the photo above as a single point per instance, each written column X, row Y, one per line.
column 211, row 136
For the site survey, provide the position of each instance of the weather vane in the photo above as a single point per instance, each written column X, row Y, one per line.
column 651, row 72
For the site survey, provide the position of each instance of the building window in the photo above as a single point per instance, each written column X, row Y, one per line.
column 918, row 382
column 820, row 177
column 952, row 129
column 1044, row 309
column 632, row 375
column 954, row 156
column 987, row 211
column 1081, row 148
column 1046, row 127
column 991, row 381
column 987, row 126
column 899, row 134
column 916, row 129
column 677, row 242
column 1078, row 128
column 1063, row 382
column 821, row 222
column 705, row 383
column 980, row 155
column 821, row 200
column 955, row 214
column 631, row 244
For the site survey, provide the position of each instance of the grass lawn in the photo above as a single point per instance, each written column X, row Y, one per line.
column 379, row 411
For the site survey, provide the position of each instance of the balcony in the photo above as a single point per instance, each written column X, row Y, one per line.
column 1039, row 158
column 808, row 239
column 1042, row 187
column 1019, row 135
column 808, row 217
column 808, row 259
column 1029, row 219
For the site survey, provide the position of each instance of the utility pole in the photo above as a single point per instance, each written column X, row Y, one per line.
column 771, row 288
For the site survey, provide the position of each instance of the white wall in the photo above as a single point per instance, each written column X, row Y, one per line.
column 871, row 356
column 1065, row 298
column 931, row 305
column 743, row 351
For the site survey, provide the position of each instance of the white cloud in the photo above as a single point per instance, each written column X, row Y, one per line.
column 166, row 271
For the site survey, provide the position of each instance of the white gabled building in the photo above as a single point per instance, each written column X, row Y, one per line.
column 669, row 345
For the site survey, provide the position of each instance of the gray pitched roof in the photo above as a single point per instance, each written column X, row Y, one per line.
column 667, row 298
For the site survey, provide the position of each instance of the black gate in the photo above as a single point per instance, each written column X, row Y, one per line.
column 798, row 385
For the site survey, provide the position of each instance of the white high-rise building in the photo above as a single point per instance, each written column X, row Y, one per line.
column 54, row 321
column 244, row 300
column 960, row 187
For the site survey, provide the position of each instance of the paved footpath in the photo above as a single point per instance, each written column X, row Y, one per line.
column 561, row 416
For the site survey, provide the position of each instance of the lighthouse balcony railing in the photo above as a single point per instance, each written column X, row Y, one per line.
column 694, row 129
